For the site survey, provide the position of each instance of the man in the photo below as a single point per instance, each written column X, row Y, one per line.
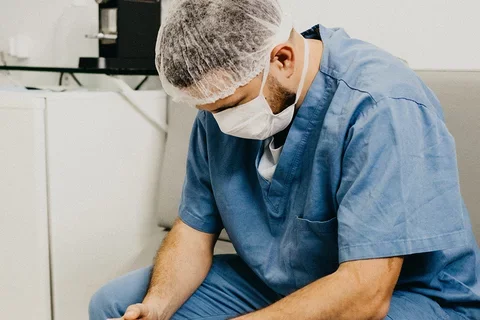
column 329, row 164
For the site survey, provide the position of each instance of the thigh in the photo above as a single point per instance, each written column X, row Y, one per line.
column 413, row 306
column 230, row 289
column 113, row 299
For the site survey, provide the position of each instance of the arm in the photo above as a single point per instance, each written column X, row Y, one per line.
column 181, row 265
column 399, row 195
column 185, row 257
column 357, row 290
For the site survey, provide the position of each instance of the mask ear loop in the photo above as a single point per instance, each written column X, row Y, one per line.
column 266, row 71
column 283, row 35
column 306, row 62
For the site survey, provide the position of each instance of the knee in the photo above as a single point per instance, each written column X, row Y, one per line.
column 102, row 305
column 112, row 299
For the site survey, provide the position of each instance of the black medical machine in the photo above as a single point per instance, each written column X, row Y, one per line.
column 127, row 35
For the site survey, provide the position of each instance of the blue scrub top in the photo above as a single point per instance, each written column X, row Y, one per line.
column 368, row 170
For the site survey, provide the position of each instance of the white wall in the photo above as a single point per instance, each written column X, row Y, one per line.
column 57, row 29
column 430, row 34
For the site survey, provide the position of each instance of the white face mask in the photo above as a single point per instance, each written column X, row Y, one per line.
column 255, row 119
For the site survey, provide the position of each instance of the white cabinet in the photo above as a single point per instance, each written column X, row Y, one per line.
column 24, row 258
column 81, row 181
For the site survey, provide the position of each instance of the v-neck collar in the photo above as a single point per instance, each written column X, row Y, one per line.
column 289, row 164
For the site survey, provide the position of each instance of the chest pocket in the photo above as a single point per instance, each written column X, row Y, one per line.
column 316, row 253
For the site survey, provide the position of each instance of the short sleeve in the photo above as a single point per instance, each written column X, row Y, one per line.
column 399, row 191
column 197, row 205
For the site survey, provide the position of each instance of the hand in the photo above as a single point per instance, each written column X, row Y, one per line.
column 141, row 311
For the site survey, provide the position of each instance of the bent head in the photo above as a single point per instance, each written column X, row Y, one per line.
column 220, row 54
column 280, row 86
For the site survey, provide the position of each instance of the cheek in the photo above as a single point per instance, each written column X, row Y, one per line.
column 279, row 99
column 275, row 102
column 274, row 97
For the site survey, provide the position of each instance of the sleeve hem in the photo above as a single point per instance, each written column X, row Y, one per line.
column 200, row 225
column 402, row 247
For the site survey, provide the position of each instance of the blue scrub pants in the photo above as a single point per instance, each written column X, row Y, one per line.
column 231, row 289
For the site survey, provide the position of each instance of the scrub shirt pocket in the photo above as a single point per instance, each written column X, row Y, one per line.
column 316, row 252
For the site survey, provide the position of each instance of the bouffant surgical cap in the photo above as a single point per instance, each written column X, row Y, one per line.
column 206, row 49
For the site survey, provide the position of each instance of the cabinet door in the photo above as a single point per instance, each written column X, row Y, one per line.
column 103, row 163
column 24, row 267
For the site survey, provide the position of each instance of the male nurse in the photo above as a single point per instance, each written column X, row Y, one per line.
column 327, row 161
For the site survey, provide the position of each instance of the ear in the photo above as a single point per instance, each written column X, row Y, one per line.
column 282, row 59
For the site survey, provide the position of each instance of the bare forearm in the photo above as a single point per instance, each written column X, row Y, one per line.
column 342, row 295
column 333, row 300
column 181, row 265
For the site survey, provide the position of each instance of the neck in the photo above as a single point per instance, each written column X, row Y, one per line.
column 316, row 52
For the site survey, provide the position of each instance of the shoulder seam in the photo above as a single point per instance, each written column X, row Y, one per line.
column 352, row 88
column 404, row 98
column 424, row 106
column 371, row 96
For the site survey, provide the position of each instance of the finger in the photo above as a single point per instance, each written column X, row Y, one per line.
column 135, row 312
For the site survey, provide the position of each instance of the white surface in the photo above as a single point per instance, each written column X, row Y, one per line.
column 22, row 46
column 429, row 34
column 57, row 29
column 103, row 163
column 79, row 3
column 12, row 46
column 24, row 270
column 268, row 162
column 84, row 166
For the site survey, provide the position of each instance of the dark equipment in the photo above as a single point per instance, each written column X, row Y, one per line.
column 127, row 35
